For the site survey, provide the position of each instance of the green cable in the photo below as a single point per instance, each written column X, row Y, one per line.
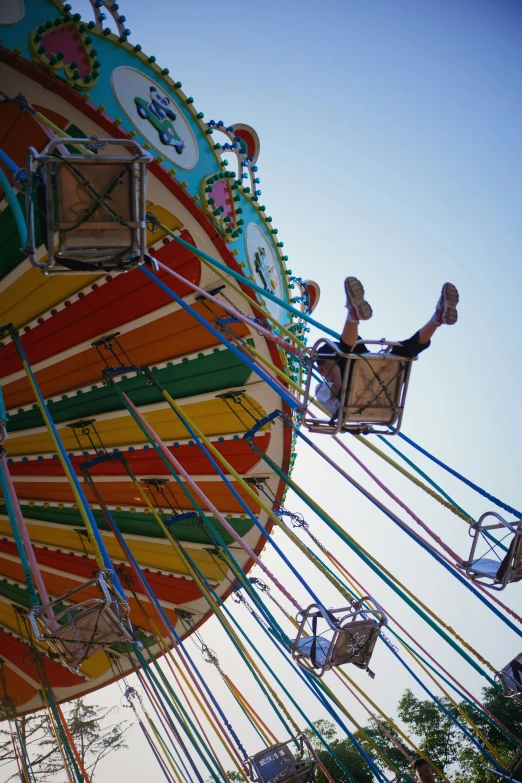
column 276, row 678
column 182, row 709
column 206, row 520
column 59, row 727
column 147, row 668
column 423, row 659
column 35, row 598
column 247, row 714
column 374, row 567
column 424, row 476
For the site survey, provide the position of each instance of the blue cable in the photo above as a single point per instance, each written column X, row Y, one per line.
column 8, row 162
column 466, row 481
column 432, row 552
column 158, row 757
column 442, row 707
column 231, row 347
column 99, row 540
column 158, row 688
column 247, row 510
column 250, row 283
column 159, row 607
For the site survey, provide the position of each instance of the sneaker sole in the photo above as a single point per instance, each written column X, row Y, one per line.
column 355, row 293
column 451, row 300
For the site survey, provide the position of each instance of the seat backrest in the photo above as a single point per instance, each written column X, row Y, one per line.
column 273, row 761
column 86, row 632
column 374, row 389
column 84, row 222
column 355, row 643
column 512, row 562
column 511, row 675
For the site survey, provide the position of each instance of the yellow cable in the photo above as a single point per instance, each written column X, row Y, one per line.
column 248, row 709
column 416, row 481
column 62, row 134
column 341, row 673
column 245, row 296
column 163, row 747
column 299, row 543
column 179, row 551
column 194, row 693
column 358, row 592
column 57, row 736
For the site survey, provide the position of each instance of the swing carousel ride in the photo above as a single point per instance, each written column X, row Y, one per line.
column 155, row 379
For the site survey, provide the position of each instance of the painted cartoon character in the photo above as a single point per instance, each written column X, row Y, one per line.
column 265, row 272
column 161, row 117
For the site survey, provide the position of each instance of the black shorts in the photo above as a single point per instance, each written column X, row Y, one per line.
column 408, row 348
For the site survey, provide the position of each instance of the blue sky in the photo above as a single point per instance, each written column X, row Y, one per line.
column 390, row 149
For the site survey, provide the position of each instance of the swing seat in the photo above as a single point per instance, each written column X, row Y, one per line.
column 277, row 764
column 92, row 207
column 93, row 624
column 495, row 574
column 510, row 678
column 484, row 567
column 373, row 393
column 349, row 636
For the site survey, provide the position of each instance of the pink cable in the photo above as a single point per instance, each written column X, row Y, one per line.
column 425, row 527
column 377, row 721
column 229, row 309
column 385, row 508
column 148, row 592
column 192, row 484
column 162, row 765
column 417, row 643
column 28, row 546
column 236, row 340
column 194, row 713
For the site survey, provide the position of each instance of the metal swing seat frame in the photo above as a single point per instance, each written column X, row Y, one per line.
column 512, row 768
column 94, row 205
column 82, row 629
column 495, row 574
column 373, row 392
column 277, row 764
column 510, row 678
column 352, row 635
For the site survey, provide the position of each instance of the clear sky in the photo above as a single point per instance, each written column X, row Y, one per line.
column 390, row 149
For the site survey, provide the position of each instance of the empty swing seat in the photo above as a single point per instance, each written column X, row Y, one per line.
column 80, row 630
column 91, row 206
column 373, row 393
column 338, row 636
column 510, row 678
column 505, row 566
column 277, row 764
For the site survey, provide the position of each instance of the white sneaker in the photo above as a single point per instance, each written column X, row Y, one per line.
column 357, row 306
column 446, row 310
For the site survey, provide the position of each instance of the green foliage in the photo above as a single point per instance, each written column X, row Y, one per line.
column 433, row 732
column 345, row 751
column 94, row 738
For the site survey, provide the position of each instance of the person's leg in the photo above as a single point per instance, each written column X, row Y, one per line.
column 358, row 310
column 445, row 313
